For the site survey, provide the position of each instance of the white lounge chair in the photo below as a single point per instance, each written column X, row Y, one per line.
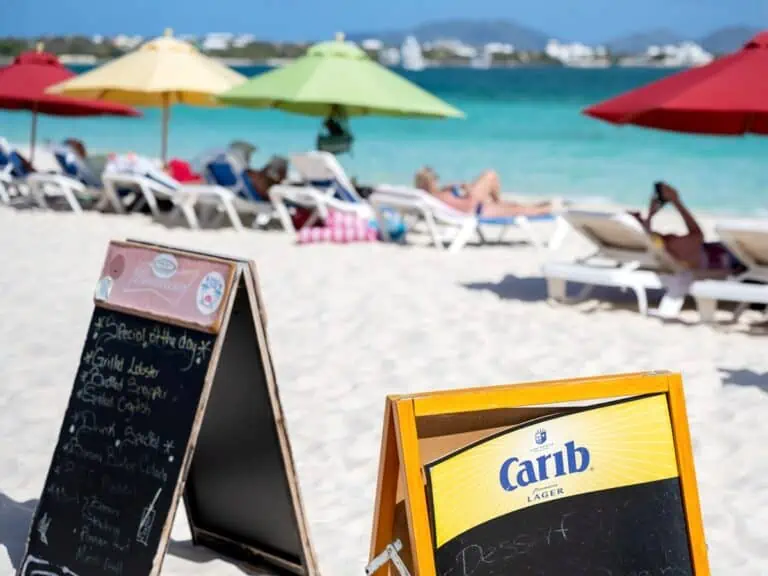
column 748, row 241
column 325, row 186
column 625, row 257
column 12, row 183
column 38, row 187
column 184, row 198
column 450, row 228
column 7, row 185
column 44, row 186
column 76, row 183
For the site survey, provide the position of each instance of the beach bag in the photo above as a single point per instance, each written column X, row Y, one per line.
column 395, row 225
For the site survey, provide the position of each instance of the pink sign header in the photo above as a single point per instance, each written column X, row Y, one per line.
column 165, row 284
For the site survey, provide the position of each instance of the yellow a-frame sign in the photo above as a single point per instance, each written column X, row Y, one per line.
column 420, row 428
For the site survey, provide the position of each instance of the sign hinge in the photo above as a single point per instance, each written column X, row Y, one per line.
column 390, row 554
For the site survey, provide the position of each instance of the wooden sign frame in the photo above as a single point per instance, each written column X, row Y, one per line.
column 410, row 421
column 240, row 274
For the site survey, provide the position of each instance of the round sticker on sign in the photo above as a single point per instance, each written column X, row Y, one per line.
column 210, row 292
column 104, row 288
column 164, row 265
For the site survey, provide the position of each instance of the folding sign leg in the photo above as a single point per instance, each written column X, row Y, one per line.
column 690, row 490
column 386, row 491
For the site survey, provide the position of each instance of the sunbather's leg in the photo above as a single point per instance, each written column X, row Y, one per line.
column 486, row 188
column 503, row 208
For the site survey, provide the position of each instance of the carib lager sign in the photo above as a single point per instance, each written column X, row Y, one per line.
column 593, row 492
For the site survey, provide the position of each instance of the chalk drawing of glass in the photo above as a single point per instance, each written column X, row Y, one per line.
column 147, row 520
column 33, row 566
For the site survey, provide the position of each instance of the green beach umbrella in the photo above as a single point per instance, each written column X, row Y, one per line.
column 338, row 73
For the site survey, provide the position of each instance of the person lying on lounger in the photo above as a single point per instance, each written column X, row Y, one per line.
column 481, row 196
column 273, row 172
column 689, row 249
column 86, row 169
column 23, row 166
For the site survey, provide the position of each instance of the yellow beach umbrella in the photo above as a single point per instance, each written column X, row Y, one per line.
column 162, row 72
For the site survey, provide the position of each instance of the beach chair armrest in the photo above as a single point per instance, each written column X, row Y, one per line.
column 59, row 180
column 305, row 196
column 729, row 291
column 405, row 199
column 195, row 192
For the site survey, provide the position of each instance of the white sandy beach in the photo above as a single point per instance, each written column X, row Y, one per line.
column 350, row 324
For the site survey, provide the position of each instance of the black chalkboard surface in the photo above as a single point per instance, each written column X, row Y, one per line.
column 634, row 523
column 637, row 530
column 112, row 481
column 239, row 489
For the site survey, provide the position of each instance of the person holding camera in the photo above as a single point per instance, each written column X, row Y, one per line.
column 689, row 249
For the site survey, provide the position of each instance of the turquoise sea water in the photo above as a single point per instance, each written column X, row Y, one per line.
column 524, row 122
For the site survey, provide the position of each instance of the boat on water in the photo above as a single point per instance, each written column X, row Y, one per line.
column 483, row 60
column 411, row 57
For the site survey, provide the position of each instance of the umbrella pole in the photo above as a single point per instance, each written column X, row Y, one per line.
column 166, row 118
column 33, row 136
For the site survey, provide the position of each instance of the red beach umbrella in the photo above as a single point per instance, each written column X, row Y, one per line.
column 729, row 97
column 23, row 84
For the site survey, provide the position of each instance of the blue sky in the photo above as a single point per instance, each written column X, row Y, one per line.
column 587, row 20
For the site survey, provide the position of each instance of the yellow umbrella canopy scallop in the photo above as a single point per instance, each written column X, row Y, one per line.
column 338, row 73
column 162, row 72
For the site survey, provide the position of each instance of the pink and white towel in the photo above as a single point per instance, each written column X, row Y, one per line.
column 339, row 228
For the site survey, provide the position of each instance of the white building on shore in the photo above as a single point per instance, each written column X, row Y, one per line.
column 389, row 57
column 452, row 46
column 685, row 54
column 372, row 44
column 127, row 42
column 217, row 41
column 577, row 54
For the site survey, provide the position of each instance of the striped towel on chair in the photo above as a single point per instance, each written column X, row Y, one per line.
column 339, row 228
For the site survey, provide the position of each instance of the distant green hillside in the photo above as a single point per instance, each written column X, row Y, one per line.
column 728, row 39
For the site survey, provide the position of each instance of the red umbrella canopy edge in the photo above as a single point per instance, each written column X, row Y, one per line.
column 729, row 96
column 23, row 84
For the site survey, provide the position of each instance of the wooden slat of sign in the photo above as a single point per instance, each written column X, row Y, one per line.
column 260, row 323
column 165, row 284
column 581, row 389
column 254, row 557
column 199, row 253
column 386, row 486
column 416, row 503
column 687, row 469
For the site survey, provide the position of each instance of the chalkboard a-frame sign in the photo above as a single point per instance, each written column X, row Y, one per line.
column 422, row 430
column 174, row 395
